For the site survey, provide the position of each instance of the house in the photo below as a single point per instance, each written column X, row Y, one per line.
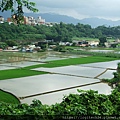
column 93, row 43
column 82, row 43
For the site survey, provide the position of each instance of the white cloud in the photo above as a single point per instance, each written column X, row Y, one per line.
column 81, row 8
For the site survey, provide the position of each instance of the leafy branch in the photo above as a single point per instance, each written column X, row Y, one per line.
column 16, row 7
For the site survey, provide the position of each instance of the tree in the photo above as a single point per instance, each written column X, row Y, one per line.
column 102, row 41
column 3, row 45
column 11, row 43
column 85, row 103
column 113, row 45
column 118, row 68
column 16, row 8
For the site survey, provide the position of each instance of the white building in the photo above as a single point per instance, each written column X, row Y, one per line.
column 31, row 21
column 1, row 19
column 93, row 43
column 40, row 21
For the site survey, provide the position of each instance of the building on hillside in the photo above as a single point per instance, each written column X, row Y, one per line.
column 40, row 21
column 31, row 21
column 26, row 22
column 1, row 19
column 9, row 20
column 12, row 19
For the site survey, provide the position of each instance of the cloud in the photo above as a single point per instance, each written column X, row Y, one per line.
column 81, row 8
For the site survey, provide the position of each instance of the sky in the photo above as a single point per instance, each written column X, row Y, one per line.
column 107, row 9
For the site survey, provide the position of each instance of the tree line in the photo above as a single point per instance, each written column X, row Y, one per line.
column 58, row 32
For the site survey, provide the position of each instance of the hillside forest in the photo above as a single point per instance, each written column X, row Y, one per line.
column 57, row 32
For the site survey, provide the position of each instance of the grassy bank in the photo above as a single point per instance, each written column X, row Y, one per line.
column 7, row 97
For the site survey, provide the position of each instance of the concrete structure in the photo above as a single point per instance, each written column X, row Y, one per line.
column 1, row 19
column 25, row 20
column 93, row 43
column 32, row 21
column 39, row 20
column 29, row 21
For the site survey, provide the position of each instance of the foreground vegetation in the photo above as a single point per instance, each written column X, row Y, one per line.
column 74, row 106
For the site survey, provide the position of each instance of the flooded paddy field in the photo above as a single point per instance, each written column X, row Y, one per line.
column 110, row 64
column 26, row 86
column 19, row 57
column 74, row 70
column 32, row 87
column 50, row 88
column 56, row 97
column 6, row 66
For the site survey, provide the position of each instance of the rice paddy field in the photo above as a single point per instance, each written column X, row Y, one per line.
column 34, row 79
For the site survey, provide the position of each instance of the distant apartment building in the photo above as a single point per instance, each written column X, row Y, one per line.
column 40, row 21
column 1, row 19
column 11, row 20
column 25, row 20
column 30, row 21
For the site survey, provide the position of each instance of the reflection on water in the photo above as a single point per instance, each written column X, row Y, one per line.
column 9, row 57
column 103, row 51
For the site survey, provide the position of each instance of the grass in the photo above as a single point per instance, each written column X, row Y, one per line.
column 8, row 98
column 85, row 38
column 72, row 61
column 17, row 73
column 90, row 39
